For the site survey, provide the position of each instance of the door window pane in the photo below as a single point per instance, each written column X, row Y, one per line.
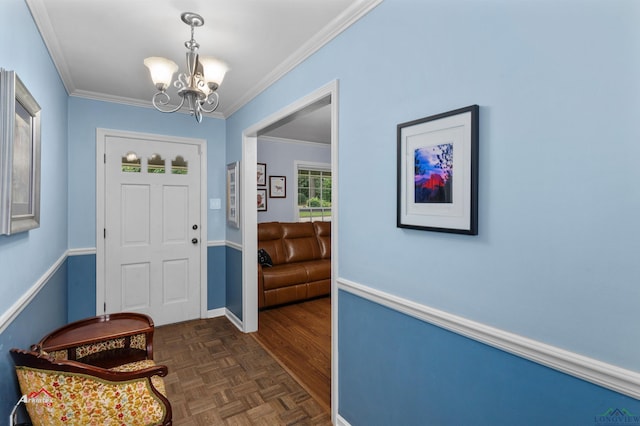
column 131, row 163
column 155, row 164
column 179, row 166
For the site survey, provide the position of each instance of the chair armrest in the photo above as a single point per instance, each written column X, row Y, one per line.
column 45, row 362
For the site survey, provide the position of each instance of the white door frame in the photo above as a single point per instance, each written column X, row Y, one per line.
column 101, row 135
column 249, row 220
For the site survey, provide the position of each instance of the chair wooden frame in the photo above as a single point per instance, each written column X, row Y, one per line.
column 94, row 349
column 102, row 328
column 34, row 360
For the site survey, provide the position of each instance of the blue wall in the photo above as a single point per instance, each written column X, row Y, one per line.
column 68, row 194
column 555, row 260
column 28, row 256
column 417, row 374
column 559, row 95
column 47, row 311
column 559, row 98
column 22, row 51
column 216, row 276
column 81, row 294
column 233, row 268
column 85, row 116
column 81, row 287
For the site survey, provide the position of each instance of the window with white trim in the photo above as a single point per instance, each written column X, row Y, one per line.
column 314, row 193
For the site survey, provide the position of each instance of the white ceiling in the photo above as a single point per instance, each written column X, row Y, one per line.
column 98, row 46
column 311, row 126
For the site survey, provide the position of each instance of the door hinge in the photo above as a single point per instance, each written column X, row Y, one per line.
column 104, row 233
column 105, row 158
column 105, row 308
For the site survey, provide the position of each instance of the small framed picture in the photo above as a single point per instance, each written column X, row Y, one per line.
column 262, row 174
column 277, row 187
column 438, row 172
column 233, row 198
column 262, row 199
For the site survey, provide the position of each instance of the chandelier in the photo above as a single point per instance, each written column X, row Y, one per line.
column 197, row 86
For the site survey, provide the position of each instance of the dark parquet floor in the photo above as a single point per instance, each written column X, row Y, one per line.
column 221, row 376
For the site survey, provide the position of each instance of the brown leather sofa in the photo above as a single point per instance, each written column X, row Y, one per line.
column 301, row 257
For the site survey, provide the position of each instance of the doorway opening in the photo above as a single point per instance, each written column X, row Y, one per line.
column 325, row 96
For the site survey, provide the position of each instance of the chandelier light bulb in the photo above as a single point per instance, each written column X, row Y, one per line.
column 213, row 70
column 161, row 70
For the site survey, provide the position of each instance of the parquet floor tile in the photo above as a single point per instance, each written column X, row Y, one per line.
column 221, row 376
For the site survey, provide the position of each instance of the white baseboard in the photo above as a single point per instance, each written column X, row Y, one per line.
column 215, row 313
column 340, row 421
column 234, row 319
column 609, row 376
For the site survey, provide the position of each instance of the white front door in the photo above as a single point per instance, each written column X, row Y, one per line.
column 152, row 228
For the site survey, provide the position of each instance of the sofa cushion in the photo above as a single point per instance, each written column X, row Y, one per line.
column 323, row 234
column 318, row 269
column 283, row 275
column 300, row 242
column 292, row 293
column 270, row 239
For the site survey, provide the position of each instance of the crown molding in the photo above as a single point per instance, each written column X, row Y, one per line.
column 133, row 102
column 48, row 35
column 337, row 26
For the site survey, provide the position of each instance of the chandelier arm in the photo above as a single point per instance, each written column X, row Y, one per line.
column 182, row 82
column 160, row 99
column 212, row 100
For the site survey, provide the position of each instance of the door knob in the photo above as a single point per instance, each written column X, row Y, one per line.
column 194, row 241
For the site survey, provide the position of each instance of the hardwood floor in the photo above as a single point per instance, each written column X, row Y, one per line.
column 299, row 337
column 221, row 376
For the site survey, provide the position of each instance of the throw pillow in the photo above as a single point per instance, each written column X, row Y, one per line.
column 263, row 258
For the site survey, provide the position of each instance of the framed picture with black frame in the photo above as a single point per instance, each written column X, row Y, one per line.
column 262, row 199
column 262, row 174
column 277, row 186
column 438, row 172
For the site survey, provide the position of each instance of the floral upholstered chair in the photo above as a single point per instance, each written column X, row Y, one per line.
column 97, row 371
